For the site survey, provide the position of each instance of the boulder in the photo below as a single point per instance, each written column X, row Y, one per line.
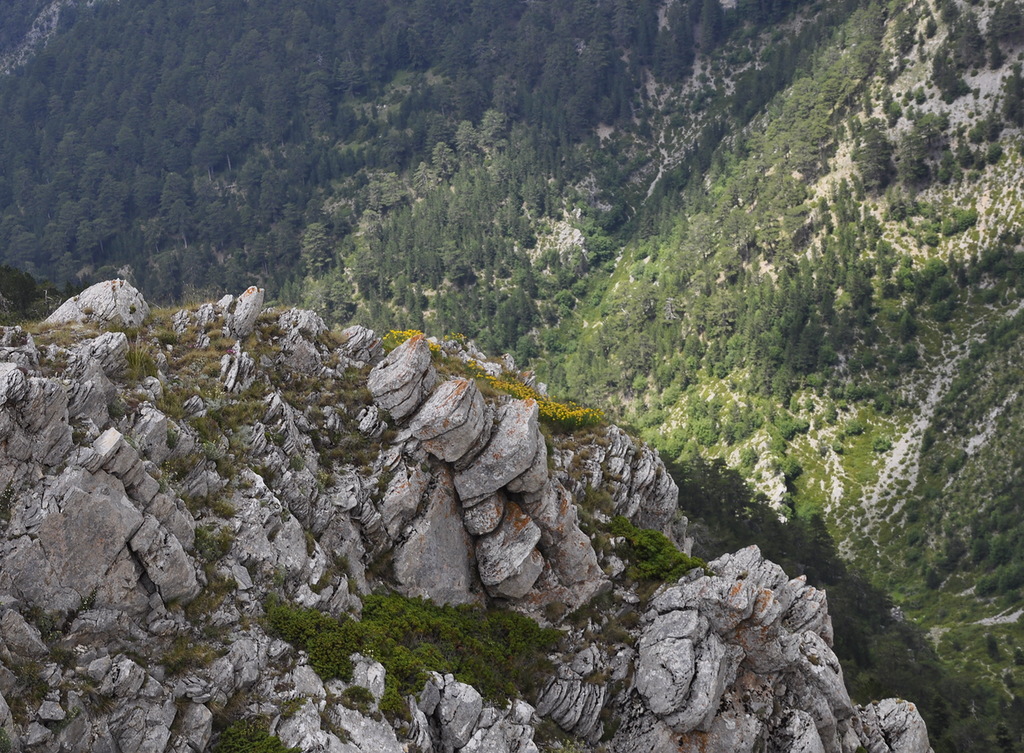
column 572, row 699
column 893, row 726
column 165, row 562
column 242, row 321
column 511, row 452
column 458, row 712
column 110, row 302
column 509, row 552
column 362, row 345
column 18, row 347
column 237, row 369
column 401, row 382
column 568, row 550
column 21, row 638
column 485, row 516
column 81, row 551
column 452, row 420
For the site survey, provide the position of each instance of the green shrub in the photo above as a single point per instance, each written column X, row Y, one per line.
column 501, row 653
column 358, row 698
column 651, row 554
column 249, row 736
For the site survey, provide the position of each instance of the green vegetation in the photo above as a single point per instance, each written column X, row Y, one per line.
column 651, row 555
column 833, row 236
column 501, row 653
column 250, row 736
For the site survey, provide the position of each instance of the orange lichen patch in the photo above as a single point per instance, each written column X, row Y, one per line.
column 516, row 518
column 735, row 590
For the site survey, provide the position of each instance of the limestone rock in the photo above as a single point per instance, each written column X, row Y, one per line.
column 362, row 345
column 503, row 554
column 105, row 303
column 485, row 516
column 511, row 452
column 242, row 321
column 80, row 550
column 371, row 425
column 237, row 369
column 91, row 395
column 458, row 712
column 18, row 347
column 402, row 381
column 21, row 638
column 109, row 350
column 572, row 701
column 434, row 561
column 299, row 352
column 452, row 420
column 402, row 498
column 33, row 418
column 568, row 550
column 742, row 656
column 151, row 434
column 165, row 562
column 894, row 726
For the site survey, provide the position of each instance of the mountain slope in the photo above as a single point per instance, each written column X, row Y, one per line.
column 238, row 529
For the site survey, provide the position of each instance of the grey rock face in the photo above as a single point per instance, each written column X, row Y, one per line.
column 506, row 553
column 33, row 419
column 109, row 351
column 18, row 347
column 450, row 715
column 571, row 701
column 729, row 661
column 452, row 420
column 165, row 562
column 362, row 345
column 299, row 352
column 237, row 369
column 105, row 303
column 81, row 548
column 485, row 516
column 242, row 321
column 735, row 661
column 893, row 726
column 512, row 452
column 564, row 545
column 434, row 561
column 632, row 473
column 402, row 381
column 21, row 638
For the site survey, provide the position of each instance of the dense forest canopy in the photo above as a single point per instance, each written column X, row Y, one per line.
column 203, row 145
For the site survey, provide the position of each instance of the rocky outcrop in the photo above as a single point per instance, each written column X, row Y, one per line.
column 241, row 321
column 402, row 381
column 453, row 422
column 450, row 715
column 145, row 521
column 741, row 660
column 114, row 301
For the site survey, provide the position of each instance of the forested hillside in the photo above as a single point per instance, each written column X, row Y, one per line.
column 780, row 236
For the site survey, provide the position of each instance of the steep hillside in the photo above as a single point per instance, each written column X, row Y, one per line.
column 462, row 167
column 834, row 309
column 231, row 527
column 783, row 235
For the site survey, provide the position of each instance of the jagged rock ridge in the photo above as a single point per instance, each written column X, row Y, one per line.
column 154, row 493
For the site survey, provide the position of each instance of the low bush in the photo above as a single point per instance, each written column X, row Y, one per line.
column 250, row 736
column 501, row 653
column 652, row 556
